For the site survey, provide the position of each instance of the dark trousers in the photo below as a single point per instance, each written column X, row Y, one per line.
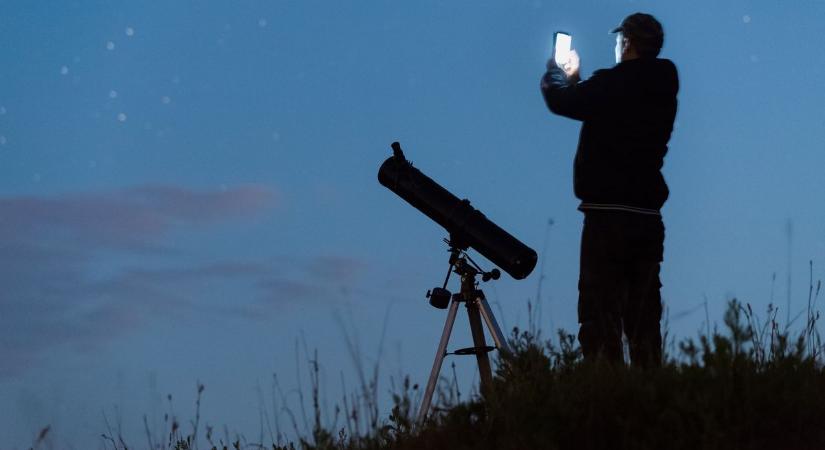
column 619, row 286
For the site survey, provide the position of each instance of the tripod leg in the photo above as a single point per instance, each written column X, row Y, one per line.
column 484, row 370
column 492, row 325
column 439, row 359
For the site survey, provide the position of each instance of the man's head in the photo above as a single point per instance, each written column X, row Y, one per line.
column 638, row 36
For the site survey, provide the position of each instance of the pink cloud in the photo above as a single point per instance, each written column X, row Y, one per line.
column 56, row 295
column 52, row 244
column 128, row 217
column 184, row 204
column 336, row 268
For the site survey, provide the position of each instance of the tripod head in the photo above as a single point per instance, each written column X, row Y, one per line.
column 466, row 268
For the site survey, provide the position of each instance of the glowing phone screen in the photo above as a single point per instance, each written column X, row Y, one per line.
column 562, row 48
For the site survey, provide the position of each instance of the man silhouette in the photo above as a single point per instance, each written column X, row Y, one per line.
column 627, row 113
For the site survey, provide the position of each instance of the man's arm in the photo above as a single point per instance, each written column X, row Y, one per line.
column 566, row 96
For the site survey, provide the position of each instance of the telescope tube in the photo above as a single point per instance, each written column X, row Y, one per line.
column 467, row 226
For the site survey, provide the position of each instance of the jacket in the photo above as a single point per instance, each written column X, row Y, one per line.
column 627, row 113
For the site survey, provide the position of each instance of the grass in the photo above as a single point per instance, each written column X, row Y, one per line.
column 720, row 392
column 753, row 385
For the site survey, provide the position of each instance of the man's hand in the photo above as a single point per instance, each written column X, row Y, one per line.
column 571, row 67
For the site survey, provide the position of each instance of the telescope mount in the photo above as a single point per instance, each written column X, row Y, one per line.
column 477, row 308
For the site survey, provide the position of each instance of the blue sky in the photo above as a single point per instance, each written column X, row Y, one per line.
column 187, row 188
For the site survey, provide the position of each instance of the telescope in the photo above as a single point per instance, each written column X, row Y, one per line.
column 467, row 226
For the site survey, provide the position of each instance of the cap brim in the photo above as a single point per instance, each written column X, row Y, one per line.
column 616, row 30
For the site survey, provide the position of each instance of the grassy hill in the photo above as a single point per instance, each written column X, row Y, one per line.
column 749, row 386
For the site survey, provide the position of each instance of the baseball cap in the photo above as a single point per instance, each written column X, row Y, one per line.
column 644, row 28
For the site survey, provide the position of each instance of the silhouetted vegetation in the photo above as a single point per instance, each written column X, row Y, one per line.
column 750, row 386
column 746, row 388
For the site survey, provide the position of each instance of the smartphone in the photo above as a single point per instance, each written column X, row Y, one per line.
column 562, row 43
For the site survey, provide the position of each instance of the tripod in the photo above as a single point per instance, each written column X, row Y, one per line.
column 477, row 308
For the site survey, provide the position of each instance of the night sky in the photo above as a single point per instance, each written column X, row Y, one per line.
column 188, row 190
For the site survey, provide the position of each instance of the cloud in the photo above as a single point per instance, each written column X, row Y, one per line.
column 54, row 249
column 336, row 268
column 128, row 218
column 75, row 275
column 183, row 204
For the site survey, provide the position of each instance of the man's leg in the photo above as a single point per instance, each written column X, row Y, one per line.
column 601, row 289
column 642, row 315
column 642, row 309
